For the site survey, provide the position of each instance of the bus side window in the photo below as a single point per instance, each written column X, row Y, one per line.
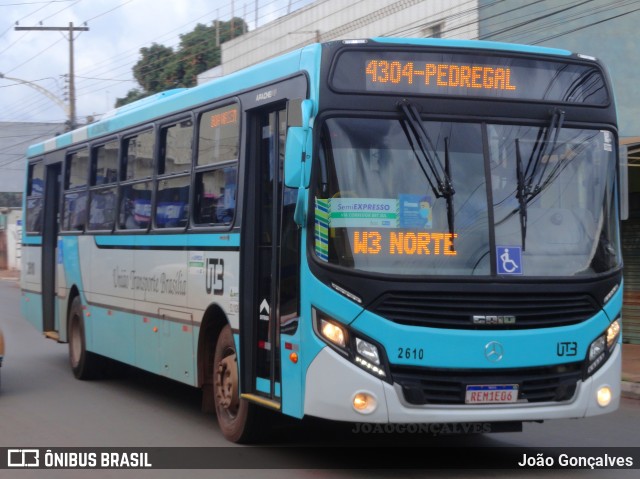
column 137, row 162
column 135, row 206
column 102, row 197
column 75, row 196
column 35, row 198
column 75, row 208
column 172, row 203
column 102, row 209
column 174, row 181
column 217, row 166
column 215, row 196
column 135, row 197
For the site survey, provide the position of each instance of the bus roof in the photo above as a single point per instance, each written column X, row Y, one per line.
column 306, row 58
column 173, row 101
column 479, row 44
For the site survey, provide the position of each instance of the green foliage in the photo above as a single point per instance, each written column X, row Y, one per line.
column 161, row 68
column 132, row 95
column 149, row 71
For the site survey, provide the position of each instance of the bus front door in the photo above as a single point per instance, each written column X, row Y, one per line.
column 270, row 260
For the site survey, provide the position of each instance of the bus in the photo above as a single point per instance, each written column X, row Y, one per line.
column 384, row 231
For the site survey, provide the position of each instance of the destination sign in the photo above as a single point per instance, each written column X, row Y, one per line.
column 469, row 75
column 403, row 243
column 439, row 74
column 224, row 117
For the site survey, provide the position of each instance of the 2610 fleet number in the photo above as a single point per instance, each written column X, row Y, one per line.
column 410, row 353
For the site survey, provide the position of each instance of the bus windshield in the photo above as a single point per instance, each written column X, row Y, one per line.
column 520, row 200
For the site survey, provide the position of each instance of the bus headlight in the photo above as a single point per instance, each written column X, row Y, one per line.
column 334, row 333
column 362, row 352
column 602, row 347
column 596, row 349
column 368, row 351
column 613, row 331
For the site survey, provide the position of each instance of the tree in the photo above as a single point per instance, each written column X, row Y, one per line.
column 197, row 52
column 161, row 68
column 149, row 71
column 132, row 95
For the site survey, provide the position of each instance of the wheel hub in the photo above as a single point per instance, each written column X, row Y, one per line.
column 227, row 384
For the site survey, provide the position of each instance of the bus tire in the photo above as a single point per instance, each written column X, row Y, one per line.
column 84, row 364
column 236, row 417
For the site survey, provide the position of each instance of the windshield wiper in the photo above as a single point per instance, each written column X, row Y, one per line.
column 545, row 147
column 438, row 176
column 527, row 191
column 521, row 195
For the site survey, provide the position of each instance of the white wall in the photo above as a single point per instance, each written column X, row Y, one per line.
column 14, row 243
column 327, row 20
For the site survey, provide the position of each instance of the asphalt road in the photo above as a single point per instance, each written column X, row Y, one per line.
column 42, row 405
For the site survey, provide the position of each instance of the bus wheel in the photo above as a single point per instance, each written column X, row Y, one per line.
column 234, row 414
column 84, row 364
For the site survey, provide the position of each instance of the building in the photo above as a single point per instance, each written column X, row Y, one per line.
column 327, row 20
column 10, row 238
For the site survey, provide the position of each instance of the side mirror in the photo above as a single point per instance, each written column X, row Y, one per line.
column 296, row 142
column 298, row 146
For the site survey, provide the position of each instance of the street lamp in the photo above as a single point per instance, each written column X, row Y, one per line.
column 65, row 107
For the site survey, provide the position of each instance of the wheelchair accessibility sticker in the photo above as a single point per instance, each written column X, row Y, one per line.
column 509, row 259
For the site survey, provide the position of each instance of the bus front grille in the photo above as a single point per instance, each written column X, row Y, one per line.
column 496, row 311
column 422, row 386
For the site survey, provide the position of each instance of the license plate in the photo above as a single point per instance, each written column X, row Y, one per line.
column 491, row 394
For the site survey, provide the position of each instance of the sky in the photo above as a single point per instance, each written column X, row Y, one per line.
column 104, row 55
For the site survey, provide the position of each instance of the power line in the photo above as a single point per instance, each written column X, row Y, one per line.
column 551, row 37
column 32, row 13
column 72, row 89
column 35, row 56
column 126, row 65
column 61, row 10
column 528, row 34
column 541, row 17
column 530, row 24
column 32, row 3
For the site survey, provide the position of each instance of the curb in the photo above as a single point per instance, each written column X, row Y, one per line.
column 630, row 390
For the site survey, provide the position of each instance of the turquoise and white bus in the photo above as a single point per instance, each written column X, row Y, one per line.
column 377, row 231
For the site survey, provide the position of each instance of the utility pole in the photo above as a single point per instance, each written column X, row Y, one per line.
column 217, row 28
column 72, row 83
column 232, row 23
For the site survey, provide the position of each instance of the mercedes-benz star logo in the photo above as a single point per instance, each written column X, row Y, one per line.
column 494, row 351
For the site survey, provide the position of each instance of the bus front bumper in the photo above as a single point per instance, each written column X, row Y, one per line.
column 332, row 384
